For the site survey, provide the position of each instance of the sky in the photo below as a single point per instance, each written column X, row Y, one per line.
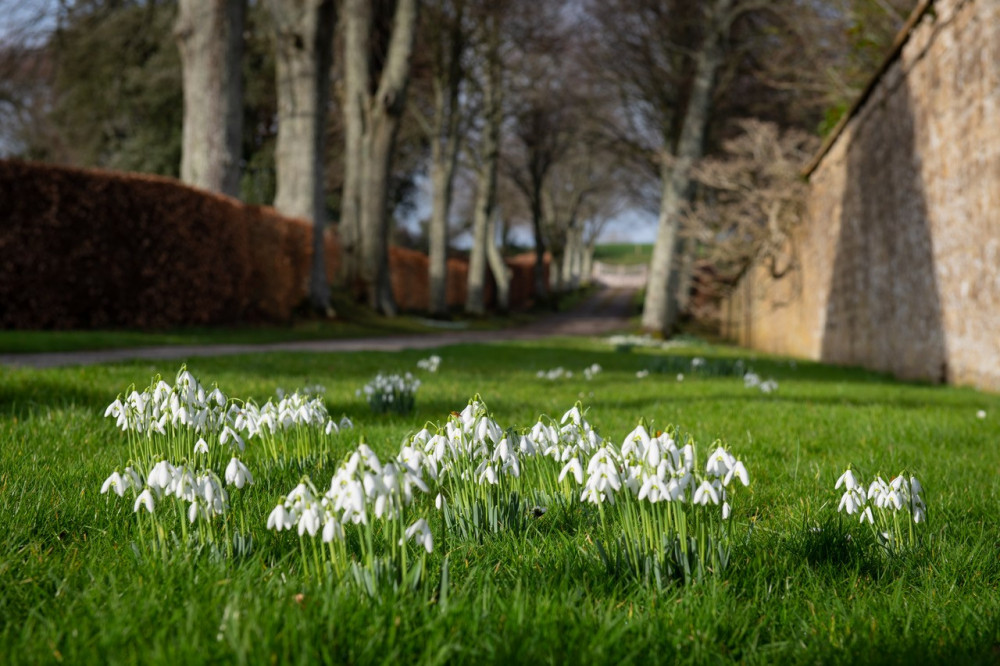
column 630, row 226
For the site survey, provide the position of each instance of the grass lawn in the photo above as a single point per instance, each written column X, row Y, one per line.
column 353, row 321
column 630, row 254
column 804, row 584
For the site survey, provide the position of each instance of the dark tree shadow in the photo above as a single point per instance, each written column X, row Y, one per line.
column 884, row 307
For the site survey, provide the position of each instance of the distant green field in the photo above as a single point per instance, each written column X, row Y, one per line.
column 623, row 253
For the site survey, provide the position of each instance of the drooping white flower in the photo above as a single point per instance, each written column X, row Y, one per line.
column 332, row 530
column 116, row 483
column 145, row 499
column 237, row 473
column 739, row 471
column 279, row 518
column 848, row 479
column 573, row 466
column 201, row 446
column 706, row 493
column 420, row 531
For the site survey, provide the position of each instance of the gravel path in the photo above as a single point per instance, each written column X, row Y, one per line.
column 604, row 312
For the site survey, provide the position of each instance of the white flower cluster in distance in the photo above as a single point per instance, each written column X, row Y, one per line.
column 430, row 364
column 753, row 380
column 633, row 341
column 588, row 373
column 394, row 392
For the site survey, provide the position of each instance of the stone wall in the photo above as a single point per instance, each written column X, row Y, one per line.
column 896, row 266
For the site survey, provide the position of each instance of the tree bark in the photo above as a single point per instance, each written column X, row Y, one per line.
column 501, row 272
column 445, row 143
column 486, row 177
column 304, row 45
column 380, row 116
column 356, row 25
column 209, row 36
column 676, row 172
column 587, row 264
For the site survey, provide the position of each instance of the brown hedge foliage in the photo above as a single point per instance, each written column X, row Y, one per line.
column 95, row 249
column 86, row 248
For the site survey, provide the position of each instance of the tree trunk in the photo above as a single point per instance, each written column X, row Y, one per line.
column 381, row 114
column 209, row 37
column 486, row 179
column 304, row 46
column 437, row 232
column 676, row 176
column 501, row 272
column 445, row 143
column 541, row 289
column 587, row 264
column 685, row 277
column 356, row 25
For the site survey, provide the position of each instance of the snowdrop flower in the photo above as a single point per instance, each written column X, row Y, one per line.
column 145, row 499
column 725, row 510
column 279, row 518
column 981, row 414
column 706, row 492
column 867, row 514
column 575, row 467
column 332, row 530
column 116, row 483
column 237, row 473
column 161, row 475
column 201, row 446
column 720, row 462
column 680, row 376
column 847, row 478
column 309, row 520
column 420, row 531
column 331, row 427
column 642, row 374
column 740, row 472
column 227, row 434
column 751, row 380
column 852, row 500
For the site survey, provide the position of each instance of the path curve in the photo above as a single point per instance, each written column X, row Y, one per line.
column 602, row 313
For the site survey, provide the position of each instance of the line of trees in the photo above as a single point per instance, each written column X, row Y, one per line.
column 553, row 116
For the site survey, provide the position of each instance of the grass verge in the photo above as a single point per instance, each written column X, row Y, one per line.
column 797, row 590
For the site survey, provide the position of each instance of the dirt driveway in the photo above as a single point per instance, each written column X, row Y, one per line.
column 605, row 312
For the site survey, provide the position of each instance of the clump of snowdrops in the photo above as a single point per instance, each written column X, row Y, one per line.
column 893, row 509
column 588, row 373
column 188, row 450
column 659, row 514
column 430, row 364
column 753, row 380
column 391, row 393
